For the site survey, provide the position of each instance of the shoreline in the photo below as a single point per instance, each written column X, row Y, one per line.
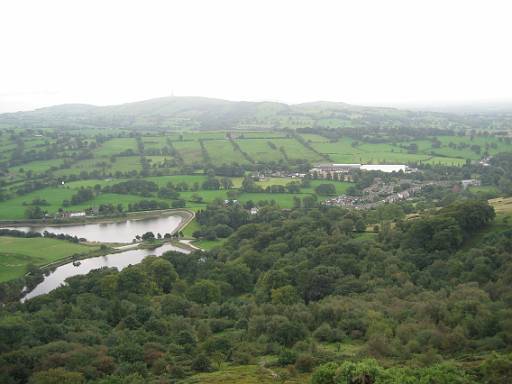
column 186, row 217
column 186, row 214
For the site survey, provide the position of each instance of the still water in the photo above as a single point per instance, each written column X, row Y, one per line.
column 120, row 232
column 118, row 260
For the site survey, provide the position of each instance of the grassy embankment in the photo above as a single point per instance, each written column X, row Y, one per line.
column 17, row 253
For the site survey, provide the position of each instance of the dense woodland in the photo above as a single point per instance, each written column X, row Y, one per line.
column 300, row 285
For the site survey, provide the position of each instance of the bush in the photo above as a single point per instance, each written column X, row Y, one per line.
column 180, row 203
column 241, row 358
column 286, row 357
column 305, row 363
column 325, row 374
column 325, row 189
column 324, row 333
column 201, row 363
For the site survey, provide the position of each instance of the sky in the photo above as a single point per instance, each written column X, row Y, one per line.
column 393, row 52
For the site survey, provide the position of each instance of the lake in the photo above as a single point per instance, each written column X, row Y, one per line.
column 118, row 260
column 115, row 232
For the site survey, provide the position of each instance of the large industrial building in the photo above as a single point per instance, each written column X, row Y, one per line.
column 329, row 170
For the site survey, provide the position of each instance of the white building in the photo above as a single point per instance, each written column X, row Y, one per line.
column 77, row 214
column 388, row 168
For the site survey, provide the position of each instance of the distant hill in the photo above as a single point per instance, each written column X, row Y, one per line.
column 209, row 114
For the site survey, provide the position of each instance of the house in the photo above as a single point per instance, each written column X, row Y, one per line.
column 470, row 182
column 254, row 211
column 77, row 214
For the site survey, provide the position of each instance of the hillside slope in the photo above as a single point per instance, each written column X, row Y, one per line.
column 209, row 114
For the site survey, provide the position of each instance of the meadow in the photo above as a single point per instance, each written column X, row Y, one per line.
column 16, row 253
column 112, row 162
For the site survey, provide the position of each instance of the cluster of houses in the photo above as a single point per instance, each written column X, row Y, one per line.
column 381, row 193
column 71, row 215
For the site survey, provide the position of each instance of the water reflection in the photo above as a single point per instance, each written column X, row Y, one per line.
column 116, row 232
column 119, row 260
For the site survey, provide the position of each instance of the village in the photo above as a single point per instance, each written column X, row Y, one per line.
column 380, row 191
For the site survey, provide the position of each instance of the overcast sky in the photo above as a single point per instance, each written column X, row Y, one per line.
column 361, row 51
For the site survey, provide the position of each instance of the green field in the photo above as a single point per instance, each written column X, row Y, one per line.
column 115, row 146
column 222, row 152
column 190, row 151
column 259, row 149
column 17, row 253
column 14, row 209
column 346, row 151
column 107, row 167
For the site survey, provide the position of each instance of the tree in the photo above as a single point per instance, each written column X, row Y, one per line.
column 195, row 198
column 286, row 295
column 179, row 203
column 248, row 185
column 148, row 236
column 308, row 202
column 34, row 212
column 204, row 292
column 132, row 279
column 325, row 190
column 162, row 273
column 471, row 215
column 226, row 183
column 222, row 230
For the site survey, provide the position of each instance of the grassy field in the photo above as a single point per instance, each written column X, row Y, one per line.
column 115, row 146
column 341, row 186
column 17, row 253
column 346, row 151
column 246, row 374
column 260, row 150
column 190, row 151
column 14, row 209
column 453, row 150
column 222, row 152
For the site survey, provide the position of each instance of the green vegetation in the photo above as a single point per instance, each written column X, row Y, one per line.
column 17, row 254
column 294, row 296
column 287, row 289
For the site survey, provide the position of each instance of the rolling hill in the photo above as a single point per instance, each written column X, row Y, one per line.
column 210, row 114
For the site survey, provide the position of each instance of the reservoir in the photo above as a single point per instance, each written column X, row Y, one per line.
column 118, row 260
column 109, row 232
column 113, row 232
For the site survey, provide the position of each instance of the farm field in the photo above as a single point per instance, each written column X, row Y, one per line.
column 260, row 150
column 347, row 151
column 104, row 165
column 16, row 253
column 115, row 146
column 15, row 208
column 222, row 152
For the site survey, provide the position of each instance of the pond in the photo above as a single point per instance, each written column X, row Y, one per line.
column 118, row 260
column 115, row 232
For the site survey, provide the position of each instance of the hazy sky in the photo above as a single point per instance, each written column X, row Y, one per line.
column 361, row 51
